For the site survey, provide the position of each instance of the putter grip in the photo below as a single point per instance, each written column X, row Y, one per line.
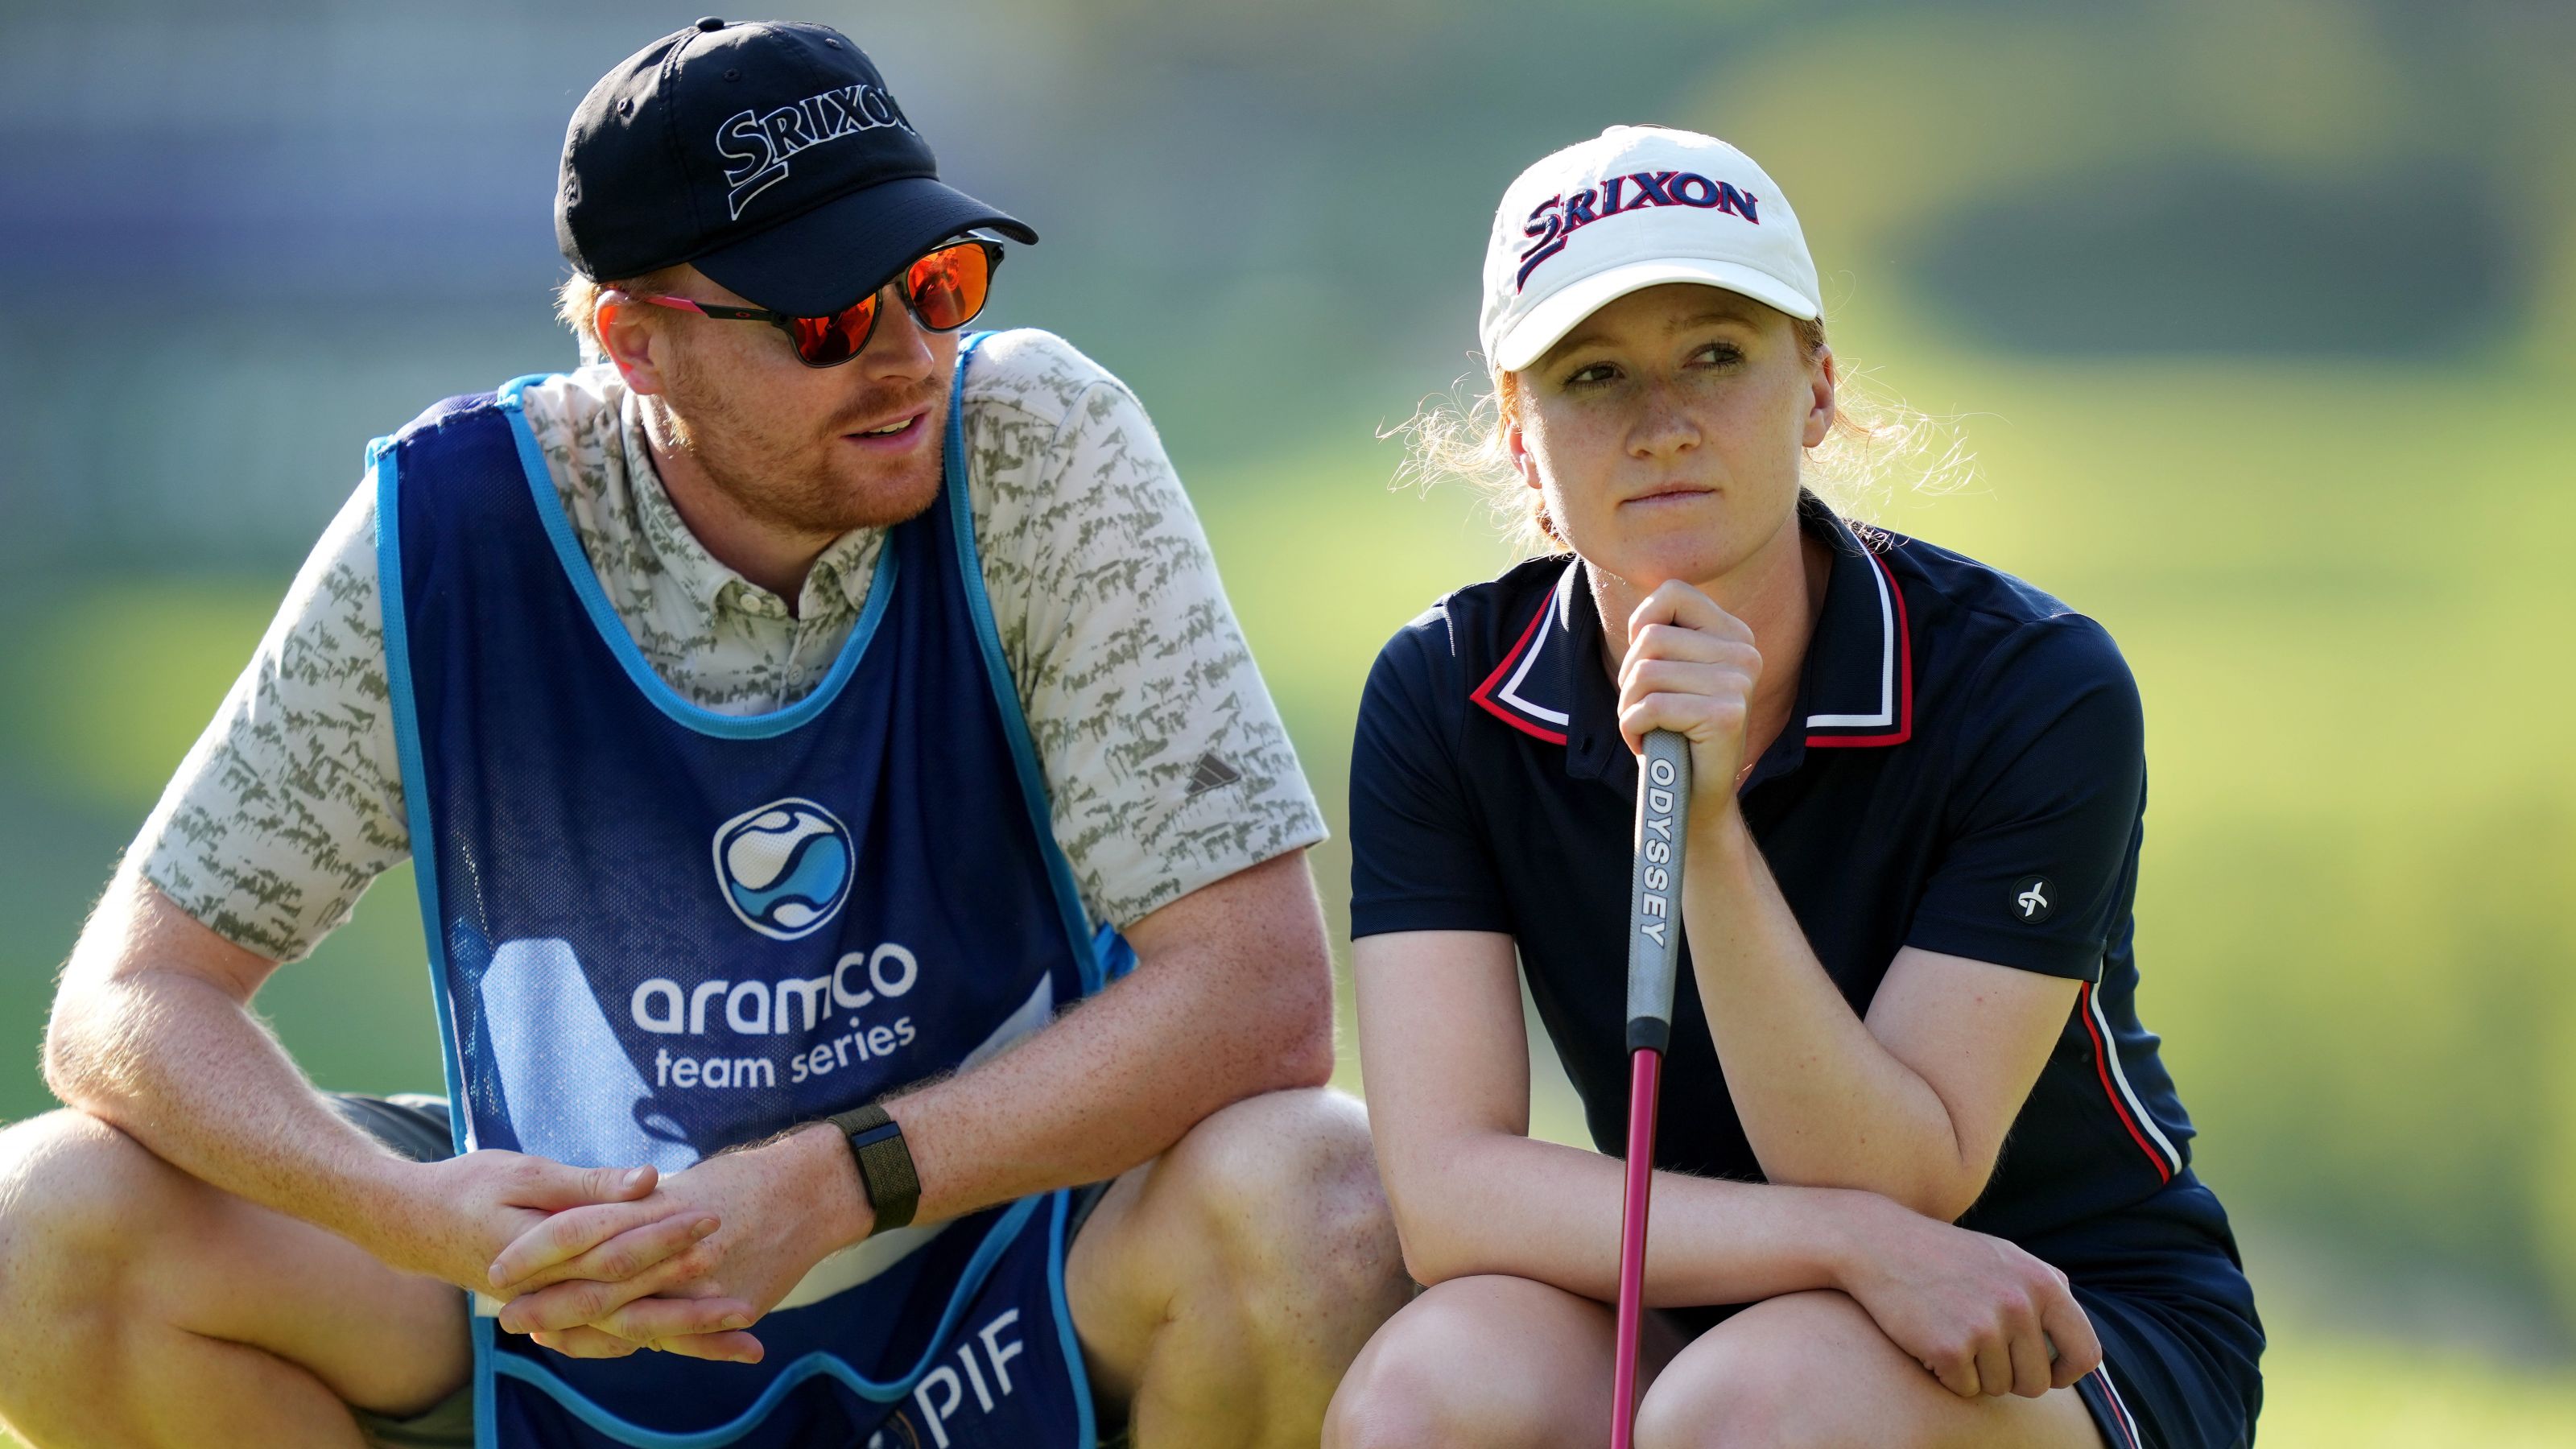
column 1655, row 888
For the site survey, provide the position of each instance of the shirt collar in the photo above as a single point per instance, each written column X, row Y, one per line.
column 1532, row 689
column 660, row 533
column 837, row 584
column 1855, row 691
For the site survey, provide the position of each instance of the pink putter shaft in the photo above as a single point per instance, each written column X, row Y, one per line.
column 1654, row 960
column 1646, row 1069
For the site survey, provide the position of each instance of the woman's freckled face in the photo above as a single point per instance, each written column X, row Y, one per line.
column 1667, row 429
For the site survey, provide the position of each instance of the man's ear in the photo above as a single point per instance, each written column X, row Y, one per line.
column 630, row 337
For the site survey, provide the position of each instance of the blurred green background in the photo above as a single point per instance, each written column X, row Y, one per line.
column 2252, row 314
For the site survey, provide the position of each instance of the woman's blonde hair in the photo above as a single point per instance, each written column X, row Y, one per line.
column 1874, row 441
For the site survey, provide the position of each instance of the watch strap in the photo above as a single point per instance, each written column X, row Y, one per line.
column 885, row 1163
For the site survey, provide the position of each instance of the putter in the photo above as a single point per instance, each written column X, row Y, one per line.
column 1654, row 951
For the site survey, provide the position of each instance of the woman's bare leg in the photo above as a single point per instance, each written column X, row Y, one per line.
column 1497, row 1362
column 1811, row 1370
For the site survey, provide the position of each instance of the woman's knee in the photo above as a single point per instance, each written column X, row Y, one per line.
column 1769, row 1376
column 1487, row 1361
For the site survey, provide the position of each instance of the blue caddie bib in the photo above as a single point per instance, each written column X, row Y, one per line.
column 657, row 931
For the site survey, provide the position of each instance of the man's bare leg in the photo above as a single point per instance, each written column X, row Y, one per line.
column 146, row 1310
column 1221, row 1290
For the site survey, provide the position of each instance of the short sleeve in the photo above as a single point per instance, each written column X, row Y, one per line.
column 291, row 803
column 2049, row 788
column 1419, row 859
column 1166, row 763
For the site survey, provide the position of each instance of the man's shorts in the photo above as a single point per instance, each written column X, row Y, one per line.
column 417, row 1127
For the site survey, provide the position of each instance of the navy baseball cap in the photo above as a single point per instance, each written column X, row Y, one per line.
column 770, row 155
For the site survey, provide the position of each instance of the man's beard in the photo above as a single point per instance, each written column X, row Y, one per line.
column 790, row 482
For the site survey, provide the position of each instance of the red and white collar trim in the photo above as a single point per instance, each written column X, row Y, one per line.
column 1892, row 722
column 1502, row 694
column 1862, row 656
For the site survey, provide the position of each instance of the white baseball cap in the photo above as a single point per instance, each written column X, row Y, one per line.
column 1635, row 207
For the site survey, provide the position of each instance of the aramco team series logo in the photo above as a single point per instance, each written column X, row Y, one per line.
column 784, row 867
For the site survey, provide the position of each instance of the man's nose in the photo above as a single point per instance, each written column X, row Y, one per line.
column 900, row 350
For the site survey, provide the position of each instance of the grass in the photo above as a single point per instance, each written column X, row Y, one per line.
column 2327, row 1392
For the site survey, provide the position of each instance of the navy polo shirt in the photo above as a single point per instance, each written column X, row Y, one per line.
column 1964, row 771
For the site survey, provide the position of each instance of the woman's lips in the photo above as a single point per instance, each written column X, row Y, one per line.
column 1672, row 493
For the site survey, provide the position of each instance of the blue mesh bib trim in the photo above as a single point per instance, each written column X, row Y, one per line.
column 1091, row 952
column 407, row 751
column 621, row 642
column 1087, row 1425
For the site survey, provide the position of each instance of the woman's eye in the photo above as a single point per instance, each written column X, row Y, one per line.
column 1719, row 354
column 1585, row 376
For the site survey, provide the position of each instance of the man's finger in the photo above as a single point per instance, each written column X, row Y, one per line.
column 585, row 1343
column 584, row 1300
column 555, row 1187
column 662, row 1320
column 621, row 1257
column 570, row 1233
column 722, row 1347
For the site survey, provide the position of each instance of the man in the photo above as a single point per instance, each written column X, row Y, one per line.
column 772, row 710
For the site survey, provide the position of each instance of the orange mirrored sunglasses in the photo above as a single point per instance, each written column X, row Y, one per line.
column 943, row 289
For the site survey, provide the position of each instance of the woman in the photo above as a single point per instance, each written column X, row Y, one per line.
column 1913, row 848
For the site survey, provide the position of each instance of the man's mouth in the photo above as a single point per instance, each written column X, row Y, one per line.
column 895, row 429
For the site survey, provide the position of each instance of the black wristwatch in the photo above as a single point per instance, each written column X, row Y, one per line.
column 885, row 1164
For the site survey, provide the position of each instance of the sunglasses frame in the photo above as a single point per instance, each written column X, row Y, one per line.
column 786, row 322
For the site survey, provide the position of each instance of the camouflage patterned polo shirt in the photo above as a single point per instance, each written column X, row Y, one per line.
column 1163, row 753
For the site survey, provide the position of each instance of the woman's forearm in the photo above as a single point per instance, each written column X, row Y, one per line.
column 1492, row 1202
column 1823, row 1102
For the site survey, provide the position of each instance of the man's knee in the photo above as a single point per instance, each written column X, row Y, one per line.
column 1761, row 1378
column 79, row 1202
column 1287, row 1187
column 82, row 1207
